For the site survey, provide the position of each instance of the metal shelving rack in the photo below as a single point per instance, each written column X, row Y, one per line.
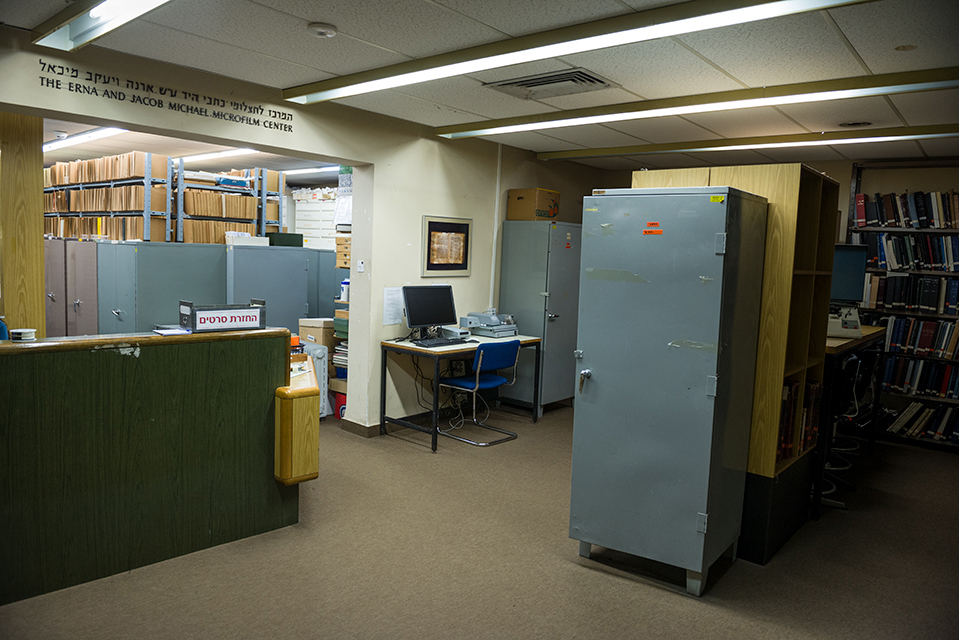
column 258, row 191
column 147, row 182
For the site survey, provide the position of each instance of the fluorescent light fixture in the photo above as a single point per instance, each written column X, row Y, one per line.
column 825, row 139
column 298, row 172
column 714, row 20
column 80, row 138
column 635, row 111
column 217, row 154
column 87, row 20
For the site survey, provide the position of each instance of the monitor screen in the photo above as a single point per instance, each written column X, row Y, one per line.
column 428, row 306
column 849, row 269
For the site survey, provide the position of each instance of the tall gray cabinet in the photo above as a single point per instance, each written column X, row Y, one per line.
column 667, row 342
column 539, row 283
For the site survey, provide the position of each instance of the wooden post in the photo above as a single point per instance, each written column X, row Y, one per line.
column 21, row 222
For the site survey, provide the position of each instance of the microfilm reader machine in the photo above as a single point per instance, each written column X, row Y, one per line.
column 489, row 323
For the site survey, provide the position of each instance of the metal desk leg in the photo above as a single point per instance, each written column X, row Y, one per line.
column 536, row 382
column 436, row 404
column 383, row 391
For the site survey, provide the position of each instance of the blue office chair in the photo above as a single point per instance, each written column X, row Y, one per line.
column 490, row 358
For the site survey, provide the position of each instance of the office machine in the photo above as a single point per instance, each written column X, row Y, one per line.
column 453, row 331
column 489, row 323
column 540, row 285
column 669, row 316
column 846, row 290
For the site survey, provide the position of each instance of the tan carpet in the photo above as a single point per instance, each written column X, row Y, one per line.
column 397, row 542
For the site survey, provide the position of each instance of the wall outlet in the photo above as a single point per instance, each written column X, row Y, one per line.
column 359, row 266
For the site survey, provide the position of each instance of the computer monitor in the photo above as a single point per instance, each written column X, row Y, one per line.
column 429, row 306
column 849, row 269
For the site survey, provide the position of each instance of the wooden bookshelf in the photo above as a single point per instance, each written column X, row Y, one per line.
column 802, row 219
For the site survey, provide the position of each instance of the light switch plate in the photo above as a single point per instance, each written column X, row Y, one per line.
column 359, row 266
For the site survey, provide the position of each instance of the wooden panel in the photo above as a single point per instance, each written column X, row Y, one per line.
column 297, row 429
column 809, row 206
column 106, row 470
column 21, row 222
column 696, row 177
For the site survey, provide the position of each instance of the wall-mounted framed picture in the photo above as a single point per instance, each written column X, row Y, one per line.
column 446, row 246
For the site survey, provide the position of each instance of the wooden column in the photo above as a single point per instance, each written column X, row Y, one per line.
column 21, row 222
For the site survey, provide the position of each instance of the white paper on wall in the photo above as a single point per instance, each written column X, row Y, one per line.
column 344, row 211
column 392, row 305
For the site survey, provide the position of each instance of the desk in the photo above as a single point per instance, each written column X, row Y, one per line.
column 835, row 350
column 452, row 352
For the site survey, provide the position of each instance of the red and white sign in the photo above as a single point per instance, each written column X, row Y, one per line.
column 229, row 319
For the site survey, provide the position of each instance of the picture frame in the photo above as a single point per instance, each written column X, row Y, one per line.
column 446, row 247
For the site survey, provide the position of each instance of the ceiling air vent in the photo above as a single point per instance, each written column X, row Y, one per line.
column 553, row 84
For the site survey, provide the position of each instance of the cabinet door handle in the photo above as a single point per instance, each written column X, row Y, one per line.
column 77, row 303
column 553, row 316
column 51, row 296
column 584, row 374
column 116, row 312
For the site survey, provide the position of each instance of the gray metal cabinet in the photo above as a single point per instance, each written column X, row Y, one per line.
column 55, row 281
column 668, row 325
column 81, row 285
column 277, row 275
column 539, row 286
column 117, row 287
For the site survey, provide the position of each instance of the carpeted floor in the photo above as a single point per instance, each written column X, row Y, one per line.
column 396, row 542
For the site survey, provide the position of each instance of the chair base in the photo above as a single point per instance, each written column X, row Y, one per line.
column 510, row 436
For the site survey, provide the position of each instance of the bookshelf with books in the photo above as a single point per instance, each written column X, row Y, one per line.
column 909, row 225
column 798, row 265
column 121, row 197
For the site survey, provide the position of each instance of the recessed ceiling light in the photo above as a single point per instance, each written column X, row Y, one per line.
column 297, row 172
column 217, row 154
column 75, row 26
column 86, row 136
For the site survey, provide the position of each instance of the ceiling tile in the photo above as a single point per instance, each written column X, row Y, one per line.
column 176, row 47
column 613, row 163
column 798, row 48
column 591, row 99
column 928, row 107
column 876, row 28
column 655, row 69
column 669, row 161
column 880, row 150
column 253, row 27
column 411, row 27
column 468, row 95
column 520, row 70
column 941, row 147
column 532, row 141
column 747, row 123
column 406, row 107
column 802, row 154
column 663, row 130
column 729, row 158
column 827, row 116
column 532, row 16
column 594, row 136
column 29, row 15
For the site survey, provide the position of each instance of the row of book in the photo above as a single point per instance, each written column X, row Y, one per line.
column 799, row 418
column 927, row 252
column 339, row 359
column 126, row 198
column 926, row 422
column 927, row 378
column 213, row 204
column 213, row 231
column 909, row 293
column 917, row 210
column 931, row 338
column 119, row 167
column 105, row 228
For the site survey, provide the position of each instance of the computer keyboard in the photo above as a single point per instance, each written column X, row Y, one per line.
column 438, row 342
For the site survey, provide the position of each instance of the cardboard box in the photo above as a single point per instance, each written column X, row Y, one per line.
column 343, row 241
column 273, row 180
column 342, row 313
column 533, row 204
column 273, row 211
column 318, row 331
column 343, row 263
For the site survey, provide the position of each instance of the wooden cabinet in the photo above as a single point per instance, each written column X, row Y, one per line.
column 297, row 426
column 798, row 263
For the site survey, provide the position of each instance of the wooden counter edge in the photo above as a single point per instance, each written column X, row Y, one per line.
column 129, row 340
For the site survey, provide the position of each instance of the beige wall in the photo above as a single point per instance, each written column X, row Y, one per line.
column 402, row 172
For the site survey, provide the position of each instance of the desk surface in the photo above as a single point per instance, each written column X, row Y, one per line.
column 841, row 345
column 456, row 348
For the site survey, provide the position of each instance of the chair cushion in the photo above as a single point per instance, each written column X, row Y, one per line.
column 487, row 381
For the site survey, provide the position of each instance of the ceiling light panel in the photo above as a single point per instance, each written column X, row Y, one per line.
column 929, row 24
column 798, row 48
column 81, row 24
